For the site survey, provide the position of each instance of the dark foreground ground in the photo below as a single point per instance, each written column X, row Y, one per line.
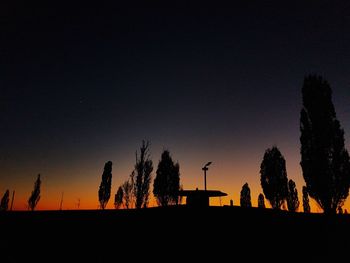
column 175, row 234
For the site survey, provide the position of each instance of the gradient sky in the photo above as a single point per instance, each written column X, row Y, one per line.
column 82, row 85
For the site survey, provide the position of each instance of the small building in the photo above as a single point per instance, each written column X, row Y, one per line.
column 200, row 198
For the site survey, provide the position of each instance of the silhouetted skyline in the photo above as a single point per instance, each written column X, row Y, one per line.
column 82, row 85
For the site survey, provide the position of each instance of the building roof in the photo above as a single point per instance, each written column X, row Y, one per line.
column 208, row 193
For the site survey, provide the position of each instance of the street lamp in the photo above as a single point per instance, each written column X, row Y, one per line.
column 205, row 169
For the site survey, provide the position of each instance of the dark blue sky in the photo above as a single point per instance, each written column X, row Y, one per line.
column 81, row 82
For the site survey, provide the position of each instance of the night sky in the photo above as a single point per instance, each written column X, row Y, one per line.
column 81, row 85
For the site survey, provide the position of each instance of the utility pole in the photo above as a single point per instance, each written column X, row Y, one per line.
column 205, row 169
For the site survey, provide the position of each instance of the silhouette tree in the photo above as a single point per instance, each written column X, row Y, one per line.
column 35, row 196
column 104, row 192
column 167, row 182
column 292, row 199
column 261, row 201
column 245, row 200
column 306, row 204
column 273, row 179
column 4, row 205
column 118, row 198
column 324, row 159
column 128, row 188
column 143, row 169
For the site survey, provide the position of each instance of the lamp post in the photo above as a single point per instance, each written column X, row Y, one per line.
column 205, row 169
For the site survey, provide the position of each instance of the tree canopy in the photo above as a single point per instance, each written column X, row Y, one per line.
column 324, row 159
column 274, row 177
column 245, row 199
column 35, row 196
column 104, row 192
column 306, row 204
column 261, row 201
column 4, row 205
column 292, row 199
column 167, row 182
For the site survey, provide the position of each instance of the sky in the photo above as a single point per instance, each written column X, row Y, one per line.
column 85, row 84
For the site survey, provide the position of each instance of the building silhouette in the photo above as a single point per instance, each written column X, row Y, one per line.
column 199, row 198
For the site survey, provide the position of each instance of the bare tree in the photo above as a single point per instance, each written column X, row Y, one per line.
column 128, row 187
column 143, row 169
column 118, row 198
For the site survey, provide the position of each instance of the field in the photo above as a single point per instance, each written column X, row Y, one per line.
column 173, row 234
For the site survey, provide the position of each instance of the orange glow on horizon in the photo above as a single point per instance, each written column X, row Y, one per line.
column 229, row 171
column 89, row 201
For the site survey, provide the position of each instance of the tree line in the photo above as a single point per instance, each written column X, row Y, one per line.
column 325, row 166
column 33, row 199
column 135, row 191
column 324, row 159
